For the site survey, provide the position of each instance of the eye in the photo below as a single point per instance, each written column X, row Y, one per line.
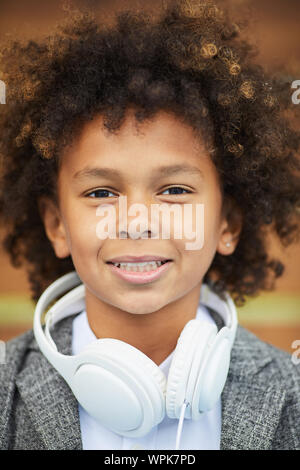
column 177, row 190
column 104, row 193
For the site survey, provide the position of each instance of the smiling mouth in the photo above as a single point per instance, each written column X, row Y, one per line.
column 141, row 267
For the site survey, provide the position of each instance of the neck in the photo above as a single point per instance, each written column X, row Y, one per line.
column 155, row 334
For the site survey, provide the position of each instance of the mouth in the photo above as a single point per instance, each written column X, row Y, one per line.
column 143, row 266
column 140, row 273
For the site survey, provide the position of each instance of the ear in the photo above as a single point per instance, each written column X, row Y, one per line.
column 231, row 226
column 54, row 227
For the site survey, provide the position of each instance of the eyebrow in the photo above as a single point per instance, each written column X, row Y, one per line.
column 97, row 172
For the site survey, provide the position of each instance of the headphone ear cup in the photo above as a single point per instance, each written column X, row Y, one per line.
column 188, row 357
column 120, row 387
column 211, row 378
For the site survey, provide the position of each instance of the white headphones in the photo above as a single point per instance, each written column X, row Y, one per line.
column 124, row 389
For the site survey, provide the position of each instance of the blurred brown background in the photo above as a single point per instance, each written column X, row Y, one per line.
column 273, row 25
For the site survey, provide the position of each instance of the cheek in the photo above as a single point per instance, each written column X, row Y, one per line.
column 203, row 221
column 82, row 233
column 203, row 225
column 212, row 217
column 211, row 226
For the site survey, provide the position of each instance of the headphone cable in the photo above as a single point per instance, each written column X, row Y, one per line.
column 180, row 423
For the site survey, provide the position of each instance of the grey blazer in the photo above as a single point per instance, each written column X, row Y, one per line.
column 260, row 400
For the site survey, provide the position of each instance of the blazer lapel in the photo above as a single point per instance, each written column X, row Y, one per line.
column 48, row 399
column 252, row 401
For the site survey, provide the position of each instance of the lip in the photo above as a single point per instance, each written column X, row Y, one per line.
column 140, row 277
column 137, row 259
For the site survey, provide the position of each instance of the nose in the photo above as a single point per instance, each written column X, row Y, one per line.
column 134, row 234
column 134, row 220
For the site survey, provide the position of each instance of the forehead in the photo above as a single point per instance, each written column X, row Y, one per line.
column 162, row 140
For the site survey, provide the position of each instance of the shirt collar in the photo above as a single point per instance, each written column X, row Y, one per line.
column 82, row 334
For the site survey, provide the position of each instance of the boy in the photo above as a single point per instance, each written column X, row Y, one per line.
column 211, row 133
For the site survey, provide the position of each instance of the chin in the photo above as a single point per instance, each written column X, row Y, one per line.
column 141, row 308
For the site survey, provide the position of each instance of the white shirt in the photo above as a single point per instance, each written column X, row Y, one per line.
column 204, row 434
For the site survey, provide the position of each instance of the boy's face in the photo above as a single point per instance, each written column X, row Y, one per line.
column 135, row 160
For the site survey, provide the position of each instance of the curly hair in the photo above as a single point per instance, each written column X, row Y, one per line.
column 191, row 61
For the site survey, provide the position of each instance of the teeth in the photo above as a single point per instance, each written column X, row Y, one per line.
column 139, row 267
